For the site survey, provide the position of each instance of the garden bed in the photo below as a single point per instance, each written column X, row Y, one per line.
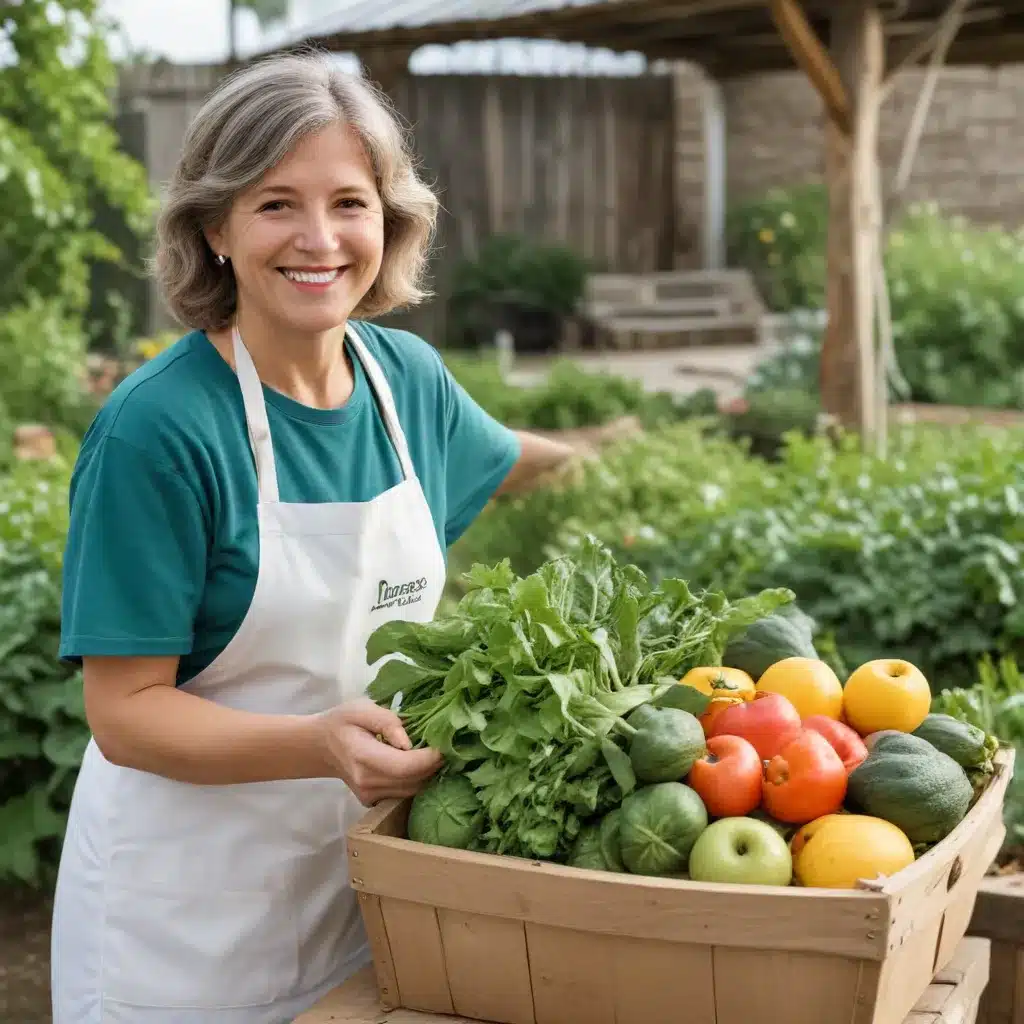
column 524, row 942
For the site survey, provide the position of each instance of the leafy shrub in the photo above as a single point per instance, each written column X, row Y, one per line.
column 955, row 292
column 571, row 397
column 43, row 731
column 512, row 272
column 957, row 295
column 781, row 239
column 995, row 703
column 922, row 554
column 42, row 361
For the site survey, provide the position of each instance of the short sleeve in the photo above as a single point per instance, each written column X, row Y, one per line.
column 135, row 558
column 481, row 452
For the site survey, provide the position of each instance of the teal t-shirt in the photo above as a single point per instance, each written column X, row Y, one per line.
column 163, row 547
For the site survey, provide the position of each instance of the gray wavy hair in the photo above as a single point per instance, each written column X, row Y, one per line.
column 244, row 128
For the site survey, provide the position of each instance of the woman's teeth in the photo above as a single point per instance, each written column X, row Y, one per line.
column 307, row 277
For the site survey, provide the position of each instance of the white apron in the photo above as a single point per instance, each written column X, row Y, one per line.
column 182, row 904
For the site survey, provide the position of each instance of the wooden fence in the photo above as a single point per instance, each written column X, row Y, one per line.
column 586, row 162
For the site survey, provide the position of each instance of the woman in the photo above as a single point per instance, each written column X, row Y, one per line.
column 245, row 509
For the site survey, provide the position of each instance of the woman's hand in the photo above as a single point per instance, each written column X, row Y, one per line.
column 372, row 769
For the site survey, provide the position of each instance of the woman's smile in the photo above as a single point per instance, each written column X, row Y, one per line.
column 314, row 280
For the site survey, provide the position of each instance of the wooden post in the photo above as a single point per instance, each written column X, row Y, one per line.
column 848, row 379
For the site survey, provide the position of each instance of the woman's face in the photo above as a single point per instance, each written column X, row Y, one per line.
column 306, row 242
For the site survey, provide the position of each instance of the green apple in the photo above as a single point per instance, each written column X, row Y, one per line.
column 744, row 851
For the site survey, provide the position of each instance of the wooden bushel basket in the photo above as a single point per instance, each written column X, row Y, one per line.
column 523, row 942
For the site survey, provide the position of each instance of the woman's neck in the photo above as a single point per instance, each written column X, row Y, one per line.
column 314, row 370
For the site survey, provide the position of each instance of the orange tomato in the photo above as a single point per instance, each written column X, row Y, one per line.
column 809, row 684
column 805, row 780
column 728, row 777
column 718, row 681
column 844, row 740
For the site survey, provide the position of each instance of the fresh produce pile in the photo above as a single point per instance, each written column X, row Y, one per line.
column 591, row 719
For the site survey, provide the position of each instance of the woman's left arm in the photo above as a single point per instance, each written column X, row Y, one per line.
column 540, row 460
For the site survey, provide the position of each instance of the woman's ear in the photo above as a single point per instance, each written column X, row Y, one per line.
column 215, row 240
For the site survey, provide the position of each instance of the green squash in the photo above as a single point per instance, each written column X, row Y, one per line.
column 786, row 633
column 666, row 745
column 908, row 782
column 968, row 745
column 609, row 839
column 447, row 813
column 658, row 828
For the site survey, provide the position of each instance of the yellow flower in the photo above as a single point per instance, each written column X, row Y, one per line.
column 767, row 236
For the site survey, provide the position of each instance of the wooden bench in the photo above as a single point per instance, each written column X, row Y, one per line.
column 670, row 309
column 952, row 998
column 999, row 917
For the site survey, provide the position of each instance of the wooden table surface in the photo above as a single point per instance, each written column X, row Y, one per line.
column 951, row 999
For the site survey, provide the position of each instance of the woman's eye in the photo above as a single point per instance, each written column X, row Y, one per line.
column 351, row 204
column 272, row 207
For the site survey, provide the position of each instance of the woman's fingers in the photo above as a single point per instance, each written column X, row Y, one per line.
column 377, row 720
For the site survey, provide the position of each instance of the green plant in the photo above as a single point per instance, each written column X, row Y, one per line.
column 59, row 162
column 958, row 318
column 43, row 730
column 781, row 238
column 995, row 705
column 571, row 396
column 920, row 555
column 512, row 272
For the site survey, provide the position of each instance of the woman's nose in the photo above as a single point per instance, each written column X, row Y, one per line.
column 318, row 232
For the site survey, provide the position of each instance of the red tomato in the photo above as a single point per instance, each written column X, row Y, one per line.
column 806, row 780
column 844, row 740
column 766, row 722
column 728, row 778
column 715, row 708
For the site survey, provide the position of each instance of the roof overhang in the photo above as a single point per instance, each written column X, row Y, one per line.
column 727, row 37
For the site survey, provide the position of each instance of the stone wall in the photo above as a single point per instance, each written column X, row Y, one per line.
column 970, row 160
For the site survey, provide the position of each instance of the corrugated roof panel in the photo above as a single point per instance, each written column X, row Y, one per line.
column 374, row 15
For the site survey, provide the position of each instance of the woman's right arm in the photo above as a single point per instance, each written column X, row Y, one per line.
column 141, row 720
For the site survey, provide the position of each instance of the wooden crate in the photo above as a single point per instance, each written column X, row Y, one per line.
column 999, row 917
column 523, row 942
column 951, row 998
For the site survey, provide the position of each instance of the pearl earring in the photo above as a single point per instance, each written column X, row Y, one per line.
column 221, row 259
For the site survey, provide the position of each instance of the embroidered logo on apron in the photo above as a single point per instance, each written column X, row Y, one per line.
column 399, row 595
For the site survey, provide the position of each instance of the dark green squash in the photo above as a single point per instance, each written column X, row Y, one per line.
column 908, row 782
column 786, row 633
column 968, row 745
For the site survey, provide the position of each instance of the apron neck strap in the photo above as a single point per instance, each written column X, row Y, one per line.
column 385, row 400
column 259, row 426
column 256, row 420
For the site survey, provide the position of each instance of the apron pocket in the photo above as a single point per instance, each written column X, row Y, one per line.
column 199, row 950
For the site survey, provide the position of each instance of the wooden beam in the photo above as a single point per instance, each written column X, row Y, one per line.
column 811, row 55
column 937, row 40
column 848, row 379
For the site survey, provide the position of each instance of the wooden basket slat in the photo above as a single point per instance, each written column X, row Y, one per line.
column 488, row 966
column 849, row 923
column 417, row 953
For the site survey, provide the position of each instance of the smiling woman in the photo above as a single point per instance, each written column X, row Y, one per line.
column 247, row 508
